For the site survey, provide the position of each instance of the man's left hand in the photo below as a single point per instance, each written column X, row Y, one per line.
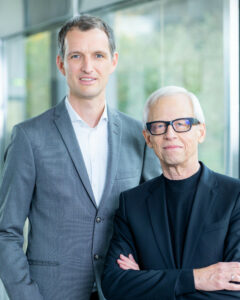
column 127, row 263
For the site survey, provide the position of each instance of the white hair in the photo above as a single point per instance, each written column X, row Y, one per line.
column 172, row 90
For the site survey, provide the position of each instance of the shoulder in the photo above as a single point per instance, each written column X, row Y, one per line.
column 43, row 122
column 125, row 119
column 221, row 178
column 39, row 128
column 225, row 184
column 129, row 119
column 129, row 128
column 38, row 120
column 141, row 190
column 133, row 201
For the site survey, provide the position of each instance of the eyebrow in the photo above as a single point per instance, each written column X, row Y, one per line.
column 73, row 52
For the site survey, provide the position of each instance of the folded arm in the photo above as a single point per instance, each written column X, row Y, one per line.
column 133, row 284
column 220, row 276
column 123, row 278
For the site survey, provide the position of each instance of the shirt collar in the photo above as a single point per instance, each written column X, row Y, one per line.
column 74, row 116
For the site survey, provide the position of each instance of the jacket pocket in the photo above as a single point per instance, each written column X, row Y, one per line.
column 43, row 262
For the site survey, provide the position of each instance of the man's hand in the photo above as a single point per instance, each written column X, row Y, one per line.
column 217, row 277
column 220, row 276
column 127, row 263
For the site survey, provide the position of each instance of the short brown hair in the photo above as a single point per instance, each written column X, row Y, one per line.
column 84, row 23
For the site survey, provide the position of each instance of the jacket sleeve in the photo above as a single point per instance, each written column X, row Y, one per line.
column 231, row 254
column 145, row 284
column 16, row 190
column 232, row 245
column 159, row 284
column 232, row 248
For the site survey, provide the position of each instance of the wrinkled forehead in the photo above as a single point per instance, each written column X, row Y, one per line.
column 171, row 107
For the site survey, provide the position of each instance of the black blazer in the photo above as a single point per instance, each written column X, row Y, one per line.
column 141, row 228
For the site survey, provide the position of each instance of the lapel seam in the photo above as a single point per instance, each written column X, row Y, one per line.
column 155, row 222
column 207, row 186
column 114, row 145
column 58, row 119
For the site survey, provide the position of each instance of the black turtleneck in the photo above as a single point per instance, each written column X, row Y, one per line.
column 180, row 196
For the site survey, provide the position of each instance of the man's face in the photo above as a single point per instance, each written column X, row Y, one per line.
column 173, row 148
column 87, row 63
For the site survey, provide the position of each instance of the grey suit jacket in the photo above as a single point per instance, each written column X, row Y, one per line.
column 45, row 179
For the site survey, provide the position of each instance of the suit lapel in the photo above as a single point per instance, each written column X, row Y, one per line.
column 114, row 145
column 204, row 198
column 65, row 128
column 157, row 210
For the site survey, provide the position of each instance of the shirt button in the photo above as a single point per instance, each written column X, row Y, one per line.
column 96, row 257
column 98, row 219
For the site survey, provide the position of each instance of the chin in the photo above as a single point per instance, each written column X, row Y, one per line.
column 173, row 162
column 172, row 158
column 88, row 96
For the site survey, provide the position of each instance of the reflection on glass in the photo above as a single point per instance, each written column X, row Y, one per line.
column 29, row 78
column 38, row 73
column 15, row 55
column 174, row 43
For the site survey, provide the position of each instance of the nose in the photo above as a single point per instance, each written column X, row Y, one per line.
column 87, row 66
column 170, row 133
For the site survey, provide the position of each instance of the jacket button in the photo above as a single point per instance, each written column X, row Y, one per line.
column 98, row 219
column 96, row 257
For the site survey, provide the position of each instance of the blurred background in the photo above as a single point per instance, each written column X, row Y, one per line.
column 190, row 43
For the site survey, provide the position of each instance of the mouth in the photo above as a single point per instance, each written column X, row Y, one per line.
column 87, row 80
column 172, row 147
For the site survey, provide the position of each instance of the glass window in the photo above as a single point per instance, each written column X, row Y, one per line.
column 16, row 78
column 174, row 43
column 160, row 43
column 38, row 73
column 28, row 63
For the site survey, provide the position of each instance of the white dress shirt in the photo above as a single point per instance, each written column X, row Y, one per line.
column 93, row 143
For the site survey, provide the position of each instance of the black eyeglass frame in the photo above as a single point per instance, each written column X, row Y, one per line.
column 192, row 121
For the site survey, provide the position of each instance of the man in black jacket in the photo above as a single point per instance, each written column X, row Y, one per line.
column 176, row 236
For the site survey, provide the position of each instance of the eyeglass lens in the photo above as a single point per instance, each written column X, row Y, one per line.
column 180, row 125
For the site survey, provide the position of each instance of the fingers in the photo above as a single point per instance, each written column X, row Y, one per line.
column 232, row 287
column 229, row 271
column 235, row 277
column 123, row 266
column 127, row 263
column 228, row 266
column 131, row 258
column 220, row 276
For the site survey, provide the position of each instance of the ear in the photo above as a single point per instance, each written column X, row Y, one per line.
column 147, row 138
column 60, row 65
column 114, row 61
column 201, row 133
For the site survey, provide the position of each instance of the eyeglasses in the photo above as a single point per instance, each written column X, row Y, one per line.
column 179, row 125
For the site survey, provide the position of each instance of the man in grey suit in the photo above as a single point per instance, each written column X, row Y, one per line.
column 64, row 171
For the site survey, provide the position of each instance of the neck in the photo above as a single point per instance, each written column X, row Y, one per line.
column 179, row 172
column 89, row 110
